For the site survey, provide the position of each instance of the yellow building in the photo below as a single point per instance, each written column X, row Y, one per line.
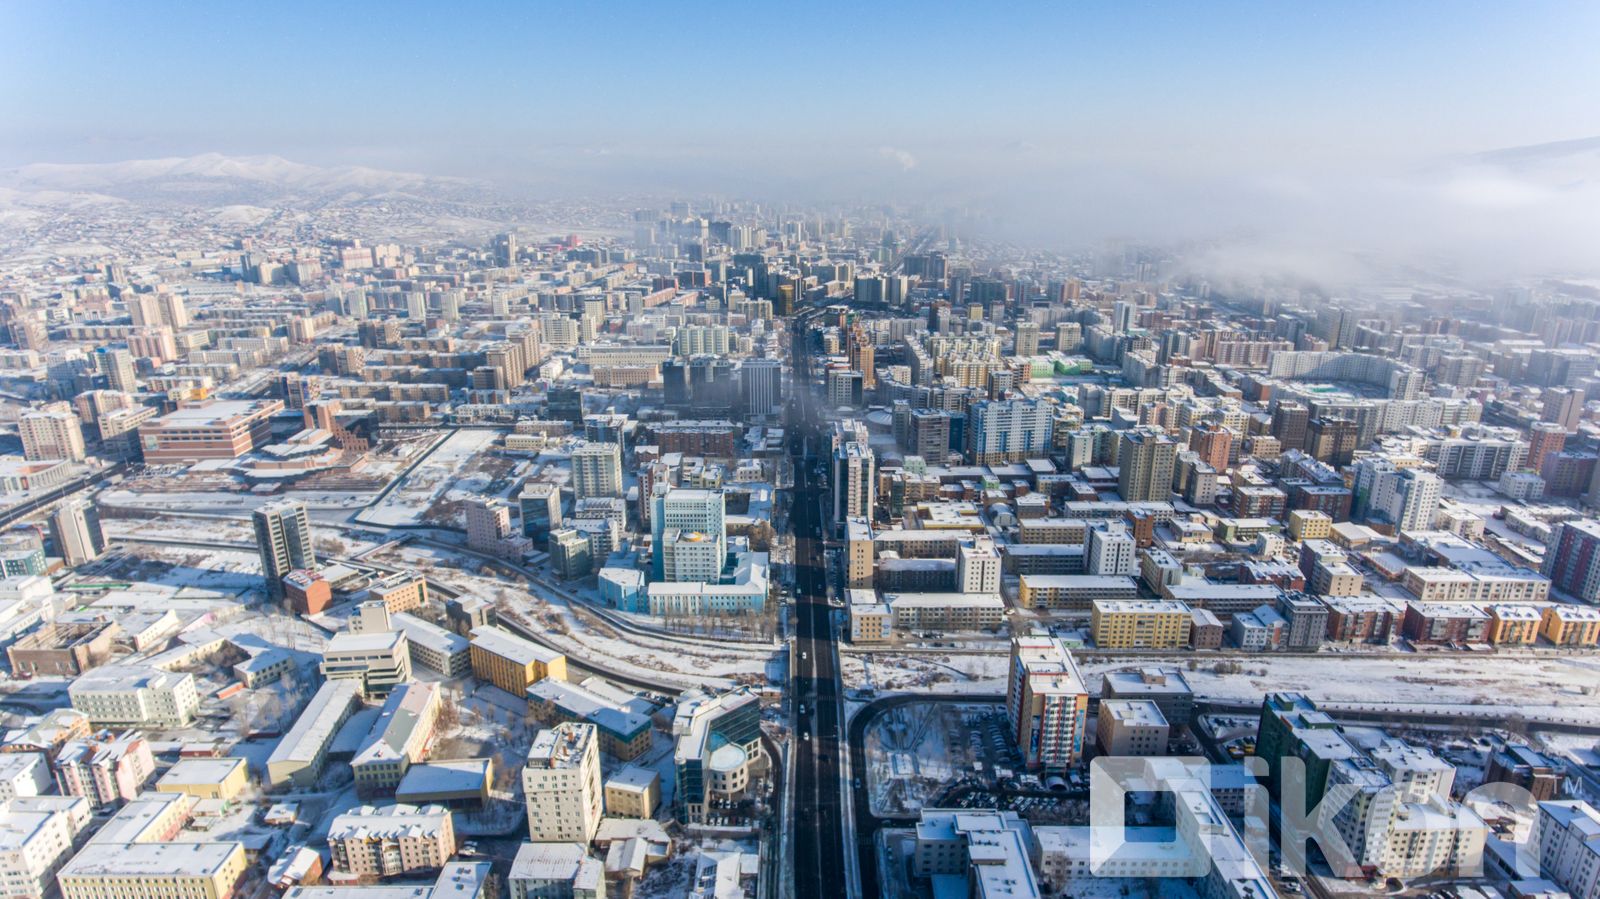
column 221, row 779
column 403, row 591
column 859, row 553
column 1139, row 624
column 1566, row 625
column 1512, row 624
column 1309, row 524
column 153, row 871
column 512, row 663
column 633, row 792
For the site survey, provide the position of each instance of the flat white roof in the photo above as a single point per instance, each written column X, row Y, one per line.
column 150, row 859
column 508, row 645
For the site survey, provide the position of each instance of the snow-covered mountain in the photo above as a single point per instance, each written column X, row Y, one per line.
column 212, row 179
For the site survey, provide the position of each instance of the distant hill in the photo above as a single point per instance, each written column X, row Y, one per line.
column 212, row 179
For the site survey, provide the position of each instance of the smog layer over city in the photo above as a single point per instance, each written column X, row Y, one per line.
column 776, row 451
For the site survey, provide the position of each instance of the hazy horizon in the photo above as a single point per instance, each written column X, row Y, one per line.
column 1306, row 133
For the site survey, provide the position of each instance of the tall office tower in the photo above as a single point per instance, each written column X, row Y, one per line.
column 675, row 383
column 761, row 384
column 1213, row 442
column 1416, row 500
column 564, row 404
column 540, row 504
column 596, row 470
column 1572, row 562
column 1564, row 406
column 1545, row 438
column 1289, row 423
column 75, row 528
column 1000, row 431
column 488, row 523
column 51, row 434
column 1047, row 706
column 505, row 250
column 899, row 290
column 855, row 481
column 1123, row 316
column 283, row 538
column 871, row 289
column 1331, row 440
column 1109, row 550
column 120, row 374
column 978, row 567
column 678, row 517
column 1145, row 460
column 561, row 784
column 1027, row 340
column 863, row 356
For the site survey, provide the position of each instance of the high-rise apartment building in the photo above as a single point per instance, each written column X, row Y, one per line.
column 489, row 528
column 978, row 568
column 1289, row 422
column 1545, row 438
column 1145, row 460
column 855, row 483
column 1047, row 706
column 120, row 373
column 1109, row 550
column 930, row 435
column 1213, row 442
column 1417, row 495
column 1000, row 431
column 1027, row 339
column 51, row 434
column 1563, row 406
column 596, row 470
column 283, row 538
column 1572, row 559
column 561, row 784
column 1331, row 440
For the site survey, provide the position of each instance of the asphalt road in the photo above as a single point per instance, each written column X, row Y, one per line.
column 818, row 855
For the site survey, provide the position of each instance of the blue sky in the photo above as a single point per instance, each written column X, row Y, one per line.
column 470, row 86
column 1290, row 136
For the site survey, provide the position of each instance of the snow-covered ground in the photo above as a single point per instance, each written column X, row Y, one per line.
column 410, row 501
column 943, row 672
column 221, row 570
column 913, row 752
column 1567, row 686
